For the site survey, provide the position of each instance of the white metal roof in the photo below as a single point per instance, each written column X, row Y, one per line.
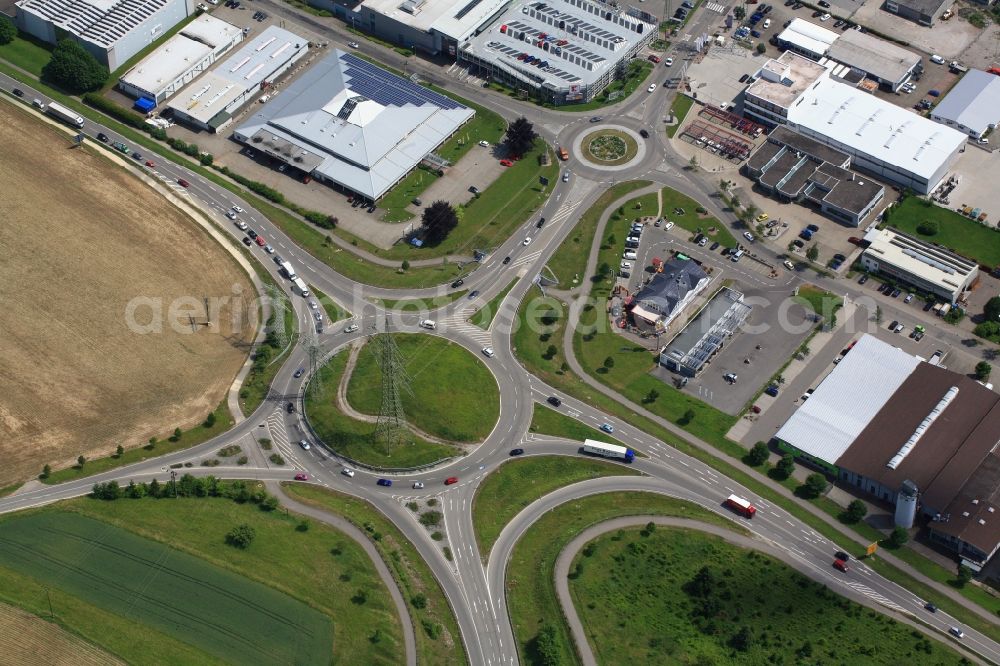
column 166, row 64
column 910, row 255
column 848, row 399
column 454, row 18
column 809, row 37
column 210, row 30
column 871, row 126
column 102, row 22
column 974, row 102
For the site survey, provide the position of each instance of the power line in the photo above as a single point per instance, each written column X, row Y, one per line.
column 390, row 429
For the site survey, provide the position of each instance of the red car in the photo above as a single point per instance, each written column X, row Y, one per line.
column 654, row 58
column 840, row 565
column 150, row 164
column 301, row 476
column 183, row 183
column 506, row 163
column 450, row 480
column 260, row 241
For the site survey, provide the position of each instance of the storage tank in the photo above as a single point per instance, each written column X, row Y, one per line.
column 906, row 504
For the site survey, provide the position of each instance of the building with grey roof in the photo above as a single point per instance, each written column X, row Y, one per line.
column 210, row 101
column 795, row 167
column 929, row 267
column 690, row 351
column 879, row 59
column 924, row 12
column 111, row 30
column 666, row 295
column 353, row 125
column 973, row 105
column 560, row 51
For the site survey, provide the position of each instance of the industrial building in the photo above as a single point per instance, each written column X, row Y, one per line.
column 880, row 60
column 560, row 51
column 179, row 60
column 882, row 139
column 794, row 167
column 111, row 30
column 210, row 102
column 911, row 433
column 924, row 12
column 806, row 38
column 930, row 268
column 352, row 124
column 688, row 352
column 973, row 105
column 677, row 283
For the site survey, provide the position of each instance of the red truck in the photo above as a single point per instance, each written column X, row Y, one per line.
column 741, row 506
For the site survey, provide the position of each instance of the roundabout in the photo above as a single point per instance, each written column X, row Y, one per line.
column 609, row 148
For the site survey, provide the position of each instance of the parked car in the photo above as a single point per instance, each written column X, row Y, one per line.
column 863, row 278
column 772, row 390
column 748, row 236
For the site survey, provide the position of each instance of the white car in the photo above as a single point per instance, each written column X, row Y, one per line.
column 488, row 352
column 937, row 60
column 417, row 485
column 651, row 88
column 237, row 208
column 824, row 18
column 304, row 444
column 668, row 226
column 789, row 265
column 429, row 324
column 354, row 45
column 231, row 214
column 268, row 249
column 313, row 305
column 566, row 177
column 242, row 226
column 731, row 377
column 351, row 328
column 626, row 265
column 748, row 236
column 347, row 471
column 526, row 241
column 767, row 23
column 484, row 144
column 667, row 62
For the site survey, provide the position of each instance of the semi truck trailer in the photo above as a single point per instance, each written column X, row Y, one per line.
column 62, row 113
column 605, row 450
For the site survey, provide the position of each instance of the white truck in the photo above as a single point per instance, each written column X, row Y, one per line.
column 593, row 447
column 300, row 285
column 62, row 113
column 287, row 269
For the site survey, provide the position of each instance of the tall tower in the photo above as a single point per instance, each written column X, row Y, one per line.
column 390, row 428
column 906, row 504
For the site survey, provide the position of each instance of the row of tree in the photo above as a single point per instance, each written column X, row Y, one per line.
column 187, row 486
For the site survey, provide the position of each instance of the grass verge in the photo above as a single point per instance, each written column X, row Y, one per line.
column 334, row 311
column 693, row 221
column 27, row 54
column 420, row 304
column 570, row 259
column 971, row 239
column 484, row 315
column 682, row 104
column 438, row 640
column 232, row 604
column 546, row 421
column 436, row 367
column 718, row 603
column 531, row 593
column 221, row 422
column 354, row 439
column 818, row 300
column 267, row 359
column 518, row 483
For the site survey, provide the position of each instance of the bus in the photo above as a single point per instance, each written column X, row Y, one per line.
column 605, row 450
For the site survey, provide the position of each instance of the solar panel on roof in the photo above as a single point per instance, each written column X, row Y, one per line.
column 388, row 89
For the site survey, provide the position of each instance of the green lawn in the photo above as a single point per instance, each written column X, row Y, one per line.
column 818, row 300
column 143, row 578
column 442, row 402
column 27, row 54
column 484, row 316
column 638, row 72
column 534, row 337
column 518, row 483
column 616, row 231
column 257, row 383
column 959, row 233
column 438, row 639
column 354, row 439
column 692, row 220
column 546, row 421
column 193, row 437
column 334, row 311
column 531, row 594
column 570, row 260
column 754, row 609
column 420, row 304
column 682, row 104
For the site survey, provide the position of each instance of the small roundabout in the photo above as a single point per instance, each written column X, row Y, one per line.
column 609, row 147
column 440, row 418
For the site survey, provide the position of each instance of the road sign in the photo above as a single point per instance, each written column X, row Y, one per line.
column 872, row 547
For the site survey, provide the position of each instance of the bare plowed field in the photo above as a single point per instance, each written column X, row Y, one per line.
column 94, row 261
column 28, row 639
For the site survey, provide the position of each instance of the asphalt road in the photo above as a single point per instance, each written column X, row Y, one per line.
column 474, row 590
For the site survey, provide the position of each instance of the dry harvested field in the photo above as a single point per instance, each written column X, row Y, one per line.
column 81, row 240
column 27, row 639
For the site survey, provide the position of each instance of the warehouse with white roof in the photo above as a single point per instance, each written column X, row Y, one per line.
column 210, row 102
column 180, row 59
column 353, row 125
column 973, row 105
column 808, row 39
column 111, row 30
column 882, row 139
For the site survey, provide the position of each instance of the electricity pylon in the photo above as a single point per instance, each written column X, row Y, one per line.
column 390, row 428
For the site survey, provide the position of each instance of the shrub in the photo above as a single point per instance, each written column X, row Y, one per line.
column 74, row 69
column 758, row 454
column 241, row 536
column 277, row 459
column 430, row 518
column 8, row 31
column 122, row 115
column 229, row 451
column 928, row 228
column 419, row 601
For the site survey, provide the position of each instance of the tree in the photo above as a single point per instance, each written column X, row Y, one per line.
column 983, row 370
column 928, row 228
column 438, row 220
column 761, row 49
column 419, row 600
column 898, row 537
column 81, row 461
column 609, row 363
column 152, row 443
column 758, row 454
column 46, row 472
column 739, row 13
column 550, row 352
column 120, row 451
column 991, row 311
column 155, row 489
column 693, row 163
column 241, row 536
column 520, row 137
column 687, row 417
column 210, row 420
column 989, row 330
column 878, row 314
column 702, row 584
column 856, row 510
column 786, row 466
column 547, row 646
column 405, row 265
column 8, row 31
column 814, row 485
column 651, row 396
column 812, row 254
column 177, row 435
column 74, row 69
column 964, row 575
column 741, row 639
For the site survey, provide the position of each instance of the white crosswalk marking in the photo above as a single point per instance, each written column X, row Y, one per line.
column 526, row 258
column 874, row 596
column 279, row 437
column 715, row 7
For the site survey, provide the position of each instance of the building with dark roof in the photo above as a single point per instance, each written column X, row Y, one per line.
column 924, row 12
column 883, row 421
column 880, row 60
column 794, row 167
column 688, row 352
column 669, row 291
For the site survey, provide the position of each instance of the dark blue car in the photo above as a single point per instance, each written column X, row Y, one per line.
column 772, row 390
column 384, row 482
